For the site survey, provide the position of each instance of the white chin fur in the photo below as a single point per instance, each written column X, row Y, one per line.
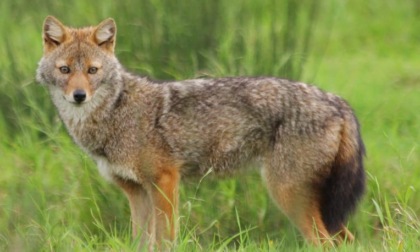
column 70, row 110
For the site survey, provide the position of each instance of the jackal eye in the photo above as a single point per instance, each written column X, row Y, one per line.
column 64, row 69
column 92, row 70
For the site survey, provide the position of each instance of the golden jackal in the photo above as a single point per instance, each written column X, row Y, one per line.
column 145, row 135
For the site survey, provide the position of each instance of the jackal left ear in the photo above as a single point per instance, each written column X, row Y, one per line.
column 105, row 34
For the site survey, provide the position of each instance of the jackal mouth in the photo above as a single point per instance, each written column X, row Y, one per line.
column 76, row 103
column 78, row 97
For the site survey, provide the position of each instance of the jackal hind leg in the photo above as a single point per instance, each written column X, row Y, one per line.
column 299, row 203
column 344, row 235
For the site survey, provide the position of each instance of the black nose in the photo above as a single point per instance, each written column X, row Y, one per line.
column 79, row 95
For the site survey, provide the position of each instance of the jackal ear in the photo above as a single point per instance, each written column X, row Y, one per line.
column 54, row 33
column 105, row 34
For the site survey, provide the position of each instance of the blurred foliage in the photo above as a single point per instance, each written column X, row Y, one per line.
column 161, row 38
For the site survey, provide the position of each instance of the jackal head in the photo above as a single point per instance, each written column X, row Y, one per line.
column 78, row 64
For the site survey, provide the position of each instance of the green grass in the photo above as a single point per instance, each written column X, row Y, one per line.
column 53, row 199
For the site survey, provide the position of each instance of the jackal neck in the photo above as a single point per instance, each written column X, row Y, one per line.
column 87, row 123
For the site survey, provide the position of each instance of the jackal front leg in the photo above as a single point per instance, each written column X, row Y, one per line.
column 165, row 198
column 143, row 216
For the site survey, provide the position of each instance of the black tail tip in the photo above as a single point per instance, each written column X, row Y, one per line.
column 342, row 191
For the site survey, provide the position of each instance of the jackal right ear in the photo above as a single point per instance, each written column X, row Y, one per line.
column 54, row 33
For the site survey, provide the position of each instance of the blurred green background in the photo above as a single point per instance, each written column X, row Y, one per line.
column 52, row 197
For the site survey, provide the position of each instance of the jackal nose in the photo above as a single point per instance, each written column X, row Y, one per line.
column 79, row 95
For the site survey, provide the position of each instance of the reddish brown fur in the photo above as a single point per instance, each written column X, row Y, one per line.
column 78, row 80
column 166, row 195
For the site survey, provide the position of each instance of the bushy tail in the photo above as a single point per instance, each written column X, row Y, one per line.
column 346, row 184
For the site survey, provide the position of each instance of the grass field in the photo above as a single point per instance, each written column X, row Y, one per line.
column 53, row 199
